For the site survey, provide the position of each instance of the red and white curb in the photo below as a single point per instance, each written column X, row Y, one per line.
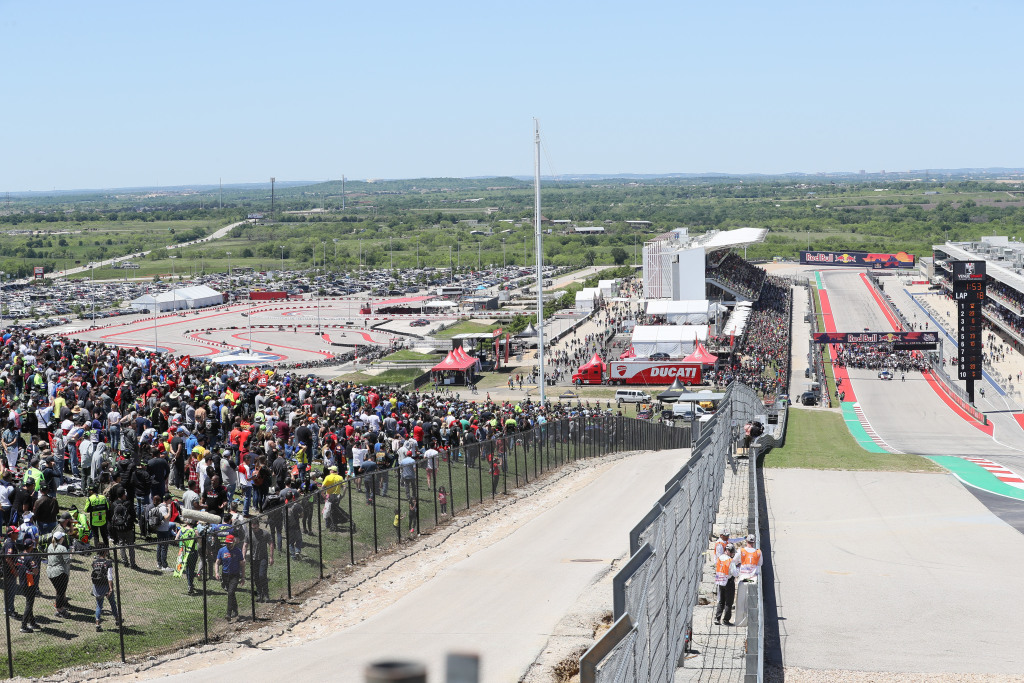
column 1001, row 473
column 870, row 431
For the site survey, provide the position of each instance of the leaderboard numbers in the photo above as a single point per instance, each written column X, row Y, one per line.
column 969, row 294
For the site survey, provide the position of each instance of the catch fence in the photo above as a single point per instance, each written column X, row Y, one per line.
column 289, row 549
column 655, row 591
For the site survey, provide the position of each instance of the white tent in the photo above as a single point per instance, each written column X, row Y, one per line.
column 199, row 296
column 737, row 322
column 586, row 299
column 675, row 340
column 690, row 312
column 607, row 288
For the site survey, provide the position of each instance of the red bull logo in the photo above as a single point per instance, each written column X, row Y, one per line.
column 846, row 258
column 888, row 337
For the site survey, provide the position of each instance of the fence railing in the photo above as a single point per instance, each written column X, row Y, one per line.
column 288, row 547
column 655, row 591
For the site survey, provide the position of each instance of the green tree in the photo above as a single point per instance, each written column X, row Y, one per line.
column 619, row 255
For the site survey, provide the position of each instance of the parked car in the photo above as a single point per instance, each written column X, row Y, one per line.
column 809, row 398
column 659, row 356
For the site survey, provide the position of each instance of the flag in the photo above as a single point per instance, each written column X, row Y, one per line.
column 497, row 353
column 184, row 362
column 253, row 374
column 506, row 348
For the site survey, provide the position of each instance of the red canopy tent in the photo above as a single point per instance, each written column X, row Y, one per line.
column 701, row 355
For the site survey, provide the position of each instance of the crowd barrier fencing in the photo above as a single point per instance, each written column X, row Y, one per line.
column 291, row 548
column 656, row 590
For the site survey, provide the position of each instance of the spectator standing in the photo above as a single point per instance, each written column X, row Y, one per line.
column 749, row 566
column 122, row 524
column 260, row 551
column 58, row 571
column 158, row 517
column 98, row 509
column 102, row 576
column 725, row 580
column 28, row 578
column 230, row 565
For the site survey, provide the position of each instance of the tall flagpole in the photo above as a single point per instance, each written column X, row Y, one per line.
column 540, row 256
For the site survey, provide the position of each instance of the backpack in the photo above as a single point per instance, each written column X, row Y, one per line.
column 121, row 518
column 99, row 572
column 154, row 517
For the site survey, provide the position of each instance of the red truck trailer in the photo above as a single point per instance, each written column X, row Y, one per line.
column 637, row 371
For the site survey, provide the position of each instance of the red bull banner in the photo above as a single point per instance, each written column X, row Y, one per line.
column 858, row 259
column 904, row 340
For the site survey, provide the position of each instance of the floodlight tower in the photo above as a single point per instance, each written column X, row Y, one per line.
column 272, row 181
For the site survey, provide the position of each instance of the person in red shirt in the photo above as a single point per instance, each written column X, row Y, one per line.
column 417, row 433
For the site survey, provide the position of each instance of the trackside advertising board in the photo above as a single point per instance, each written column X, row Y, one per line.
column 858, row 259
column 653, row 372
column 905, row 340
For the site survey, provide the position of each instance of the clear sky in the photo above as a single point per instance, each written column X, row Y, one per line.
column 113, row 94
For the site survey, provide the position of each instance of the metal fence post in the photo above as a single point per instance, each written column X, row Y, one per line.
column 373, row 505
column 288, row 549
column 320, row 530
column 7, row 620
column 206, row 571
column 515, row 456
column 416, row 497
column 120, row 605
column 351, row 525
column 451, row 485
column 252, row 569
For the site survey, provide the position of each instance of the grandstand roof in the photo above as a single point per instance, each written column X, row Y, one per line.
column 733, row 238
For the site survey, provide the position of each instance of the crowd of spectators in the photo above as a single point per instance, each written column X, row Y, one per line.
column 879, row 357
column 738, row 275
column 148, row 436
column 762, row 359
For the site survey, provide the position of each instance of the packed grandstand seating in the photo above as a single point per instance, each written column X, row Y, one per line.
column 762, row 360
column 739, row 275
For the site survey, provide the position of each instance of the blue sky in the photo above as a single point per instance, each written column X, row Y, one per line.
column 110, row 94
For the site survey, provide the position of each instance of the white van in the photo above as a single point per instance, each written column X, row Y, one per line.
column 685, row 410
column 632, row 396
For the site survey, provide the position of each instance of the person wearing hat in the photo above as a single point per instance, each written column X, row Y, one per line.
column 749, row 568
column 725, row 580
column 58, row 571
column 28, row 566
column 229, row 570
column 723, row 540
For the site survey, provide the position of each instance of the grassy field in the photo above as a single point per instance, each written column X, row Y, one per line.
column 465, row 327
column 819, row 440
column 406, row 354
column 830, row 380
column 397, row 376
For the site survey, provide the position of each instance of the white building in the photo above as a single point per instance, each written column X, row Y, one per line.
column 199, row 296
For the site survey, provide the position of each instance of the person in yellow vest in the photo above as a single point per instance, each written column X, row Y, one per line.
column 725, row 580
column 749, row 566
column 97, row 509
column 35, row 474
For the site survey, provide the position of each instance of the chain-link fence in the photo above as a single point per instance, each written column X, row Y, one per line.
column 655, row 592
column 173, row 592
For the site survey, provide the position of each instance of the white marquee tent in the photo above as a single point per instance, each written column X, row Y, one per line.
column 677, row 341
column 199, row 296
column 690, row 312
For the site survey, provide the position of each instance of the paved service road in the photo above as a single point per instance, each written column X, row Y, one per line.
column 501, row 602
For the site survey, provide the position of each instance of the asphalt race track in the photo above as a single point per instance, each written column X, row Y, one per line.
column 887, row 572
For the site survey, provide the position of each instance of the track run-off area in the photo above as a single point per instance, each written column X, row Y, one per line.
column 886, row 571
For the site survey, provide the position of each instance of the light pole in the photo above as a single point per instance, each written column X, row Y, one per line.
column 335, row 251
column 272, row 180
column 174, row 290
column 229, row 273
column 282, row 262
column 504, row 264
